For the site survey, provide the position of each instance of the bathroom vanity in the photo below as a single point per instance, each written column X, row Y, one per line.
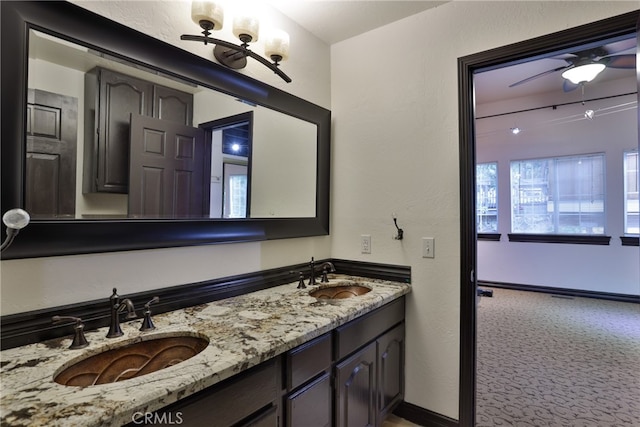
column 276, row 357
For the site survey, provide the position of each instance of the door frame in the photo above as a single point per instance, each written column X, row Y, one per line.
column 519, row 52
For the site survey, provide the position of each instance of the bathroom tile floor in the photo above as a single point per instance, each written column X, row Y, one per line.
column 394, row 421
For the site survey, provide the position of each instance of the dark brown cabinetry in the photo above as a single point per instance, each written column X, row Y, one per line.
column 356, row 389
column 367, row 372
column 352, row 376
column 308, row 383
column 390, row 368
column 249, row 399
column 110, row 99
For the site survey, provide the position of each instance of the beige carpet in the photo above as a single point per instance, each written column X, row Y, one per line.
column 557, row 361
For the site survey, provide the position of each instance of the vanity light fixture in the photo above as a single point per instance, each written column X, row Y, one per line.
column 583, row 73
column 15, row 220
column 210, row 16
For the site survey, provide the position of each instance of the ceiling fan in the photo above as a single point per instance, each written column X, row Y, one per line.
column 584, row 65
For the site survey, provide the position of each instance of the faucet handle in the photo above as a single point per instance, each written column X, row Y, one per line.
column 324, row 278
column 147, row 323
column 79, row 340
column 300, row 274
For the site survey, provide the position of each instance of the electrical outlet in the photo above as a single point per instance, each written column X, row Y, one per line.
column 365, row 244
column 428, row 247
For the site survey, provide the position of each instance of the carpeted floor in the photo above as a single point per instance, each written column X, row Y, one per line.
column 552, row 361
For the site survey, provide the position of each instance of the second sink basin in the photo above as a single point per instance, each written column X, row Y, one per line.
column 131, row 360
column 339, row 291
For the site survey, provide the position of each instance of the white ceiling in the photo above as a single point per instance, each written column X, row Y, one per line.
column 335, row 20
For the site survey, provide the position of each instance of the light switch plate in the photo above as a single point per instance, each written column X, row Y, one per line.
column 428, row 247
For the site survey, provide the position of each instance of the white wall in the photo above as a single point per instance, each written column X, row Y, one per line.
column 395, row 149
column 559, row 132
column 32, row 284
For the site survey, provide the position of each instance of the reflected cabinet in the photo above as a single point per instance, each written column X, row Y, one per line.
column 110, row 100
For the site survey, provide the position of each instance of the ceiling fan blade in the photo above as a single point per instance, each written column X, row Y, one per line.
column 619, row 46
column 567, row 86
column 528, row 79
column 620, row 61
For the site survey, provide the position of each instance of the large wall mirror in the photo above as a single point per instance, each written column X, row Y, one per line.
column 113, row 140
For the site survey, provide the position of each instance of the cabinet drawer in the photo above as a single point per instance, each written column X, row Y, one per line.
column 311, row 405
column 360, row 331
column 231, row 401
column 307, row 361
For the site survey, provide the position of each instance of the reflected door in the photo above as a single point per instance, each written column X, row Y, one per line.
column 169, row 170
column 52, row 123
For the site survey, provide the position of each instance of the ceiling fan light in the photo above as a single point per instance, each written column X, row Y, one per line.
column 583, row 73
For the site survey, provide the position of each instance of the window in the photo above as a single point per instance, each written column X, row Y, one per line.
column 487, row 197
column 631, row 222
column 562, row 195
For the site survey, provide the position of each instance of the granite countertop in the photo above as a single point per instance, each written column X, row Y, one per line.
column 243, row 332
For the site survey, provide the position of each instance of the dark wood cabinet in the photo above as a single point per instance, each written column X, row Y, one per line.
column 366, row 360
column 355, row 394
column 307, row 376
column 247, row 399
column 110, row 99
column 310, row 405
column 312, row 385
column 390, row 367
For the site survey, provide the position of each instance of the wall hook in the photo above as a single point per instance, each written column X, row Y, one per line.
column 400, row 234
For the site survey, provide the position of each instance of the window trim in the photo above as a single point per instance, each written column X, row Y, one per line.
column 578, row 239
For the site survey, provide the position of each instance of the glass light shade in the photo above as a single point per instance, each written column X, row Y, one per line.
column 246, row 24
column 583, row 73
column 207, row 11
column 277, row 44
column 16, row 219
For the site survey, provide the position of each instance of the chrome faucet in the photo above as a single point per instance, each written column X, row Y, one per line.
column 118, row 307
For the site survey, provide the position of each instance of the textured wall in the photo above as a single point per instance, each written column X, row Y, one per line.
column 395, row 102
column 32, row 284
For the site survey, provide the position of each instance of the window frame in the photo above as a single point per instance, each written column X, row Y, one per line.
column 626, row 191
column 591, row 239
column 488, row 234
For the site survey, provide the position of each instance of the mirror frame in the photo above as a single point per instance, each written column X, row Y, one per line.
column 68, row 237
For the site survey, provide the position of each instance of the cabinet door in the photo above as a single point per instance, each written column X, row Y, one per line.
column 173, row 105
column 311, row 405
column 356, row 389
column 390, row 360
column 120, row 96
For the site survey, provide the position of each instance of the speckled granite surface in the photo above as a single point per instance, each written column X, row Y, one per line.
column 243, row 332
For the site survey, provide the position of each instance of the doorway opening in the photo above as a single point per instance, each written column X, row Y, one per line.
column 619, row 26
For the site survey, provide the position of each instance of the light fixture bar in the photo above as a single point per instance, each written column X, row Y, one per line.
column 273, row 66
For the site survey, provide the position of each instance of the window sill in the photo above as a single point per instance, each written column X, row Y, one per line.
column 630, row 240
column 557, row 238
column 491, row 237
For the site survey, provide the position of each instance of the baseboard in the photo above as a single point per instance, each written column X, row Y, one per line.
column 423, row 417
column 35, row 326
column 562, row 291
